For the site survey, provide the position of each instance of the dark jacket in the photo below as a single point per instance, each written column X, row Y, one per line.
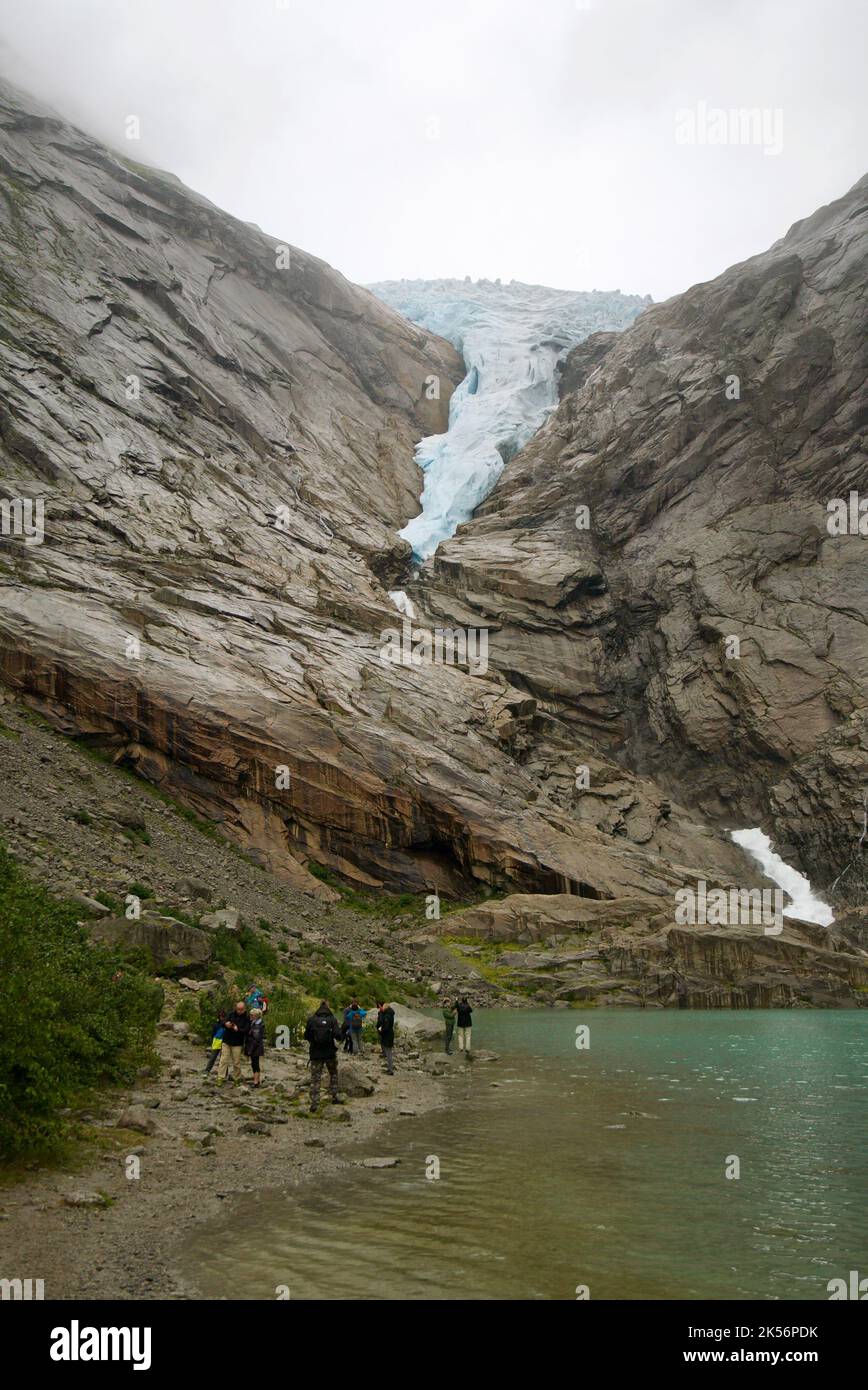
column 321, row 1031
column 464, row 1015
column 234, row 1037
column 254, row 1043
column 386, row 1026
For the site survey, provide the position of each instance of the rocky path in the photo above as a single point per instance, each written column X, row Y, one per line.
column 95, row 1230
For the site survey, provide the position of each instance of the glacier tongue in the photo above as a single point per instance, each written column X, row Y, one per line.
column 512, row 338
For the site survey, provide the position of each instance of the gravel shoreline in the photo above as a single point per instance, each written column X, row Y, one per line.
column 95, row 1233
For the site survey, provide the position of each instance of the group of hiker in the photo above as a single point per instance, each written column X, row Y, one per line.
column 240, row 1033
column 323, row 1033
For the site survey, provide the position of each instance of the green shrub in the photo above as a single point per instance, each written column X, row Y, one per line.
column 245, row 950
column 285, row 1007
column 339, row 981
column 78, row 1016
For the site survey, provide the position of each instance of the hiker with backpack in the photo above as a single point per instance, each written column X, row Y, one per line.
column 254, row 1044
column 449, row 1022
column 322, row 1032
column 235, row 1031
column 346, row 1032
column 464, row 1019
column 357, row 1022
column 255, row 999
column 216, row 1044
column 386, row 1031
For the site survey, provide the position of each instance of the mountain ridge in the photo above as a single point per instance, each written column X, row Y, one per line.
column 236, row 662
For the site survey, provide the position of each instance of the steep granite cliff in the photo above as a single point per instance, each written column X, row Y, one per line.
column 222, row 431
column 663, row 567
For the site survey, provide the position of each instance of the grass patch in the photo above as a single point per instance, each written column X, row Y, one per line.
column 246, row 950
column 338, row 980
column 483, row 963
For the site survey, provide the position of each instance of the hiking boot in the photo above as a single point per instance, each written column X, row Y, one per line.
column 337, row 1100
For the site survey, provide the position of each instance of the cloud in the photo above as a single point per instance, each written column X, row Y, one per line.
column 491, row 138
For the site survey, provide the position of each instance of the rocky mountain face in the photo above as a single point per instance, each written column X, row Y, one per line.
column 664, row 573
column 221, row 429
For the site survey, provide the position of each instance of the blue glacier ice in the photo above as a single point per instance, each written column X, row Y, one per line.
column 512, row 338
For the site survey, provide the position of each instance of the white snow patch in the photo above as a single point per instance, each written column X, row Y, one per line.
column 403, row 603
column 804, row 905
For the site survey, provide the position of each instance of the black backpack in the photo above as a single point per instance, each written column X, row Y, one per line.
column 322, row 1026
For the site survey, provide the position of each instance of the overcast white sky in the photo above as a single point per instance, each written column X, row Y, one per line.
column 471, row 137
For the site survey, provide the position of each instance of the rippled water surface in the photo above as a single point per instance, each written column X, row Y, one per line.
column 603, row 1167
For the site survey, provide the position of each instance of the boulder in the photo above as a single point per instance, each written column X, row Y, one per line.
column 91, row 905
column 124, row 815
column 411, row 1025
column 145, row 1098
column 172, row 947
column 353, row 1081
column 139, row 1118
column 226, row 917
column 193, row 889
